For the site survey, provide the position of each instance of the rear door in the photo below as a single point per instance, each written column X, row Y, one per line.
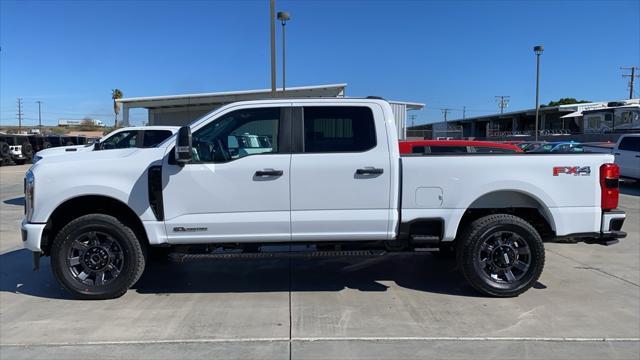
column 628, row 156
column 340, row 173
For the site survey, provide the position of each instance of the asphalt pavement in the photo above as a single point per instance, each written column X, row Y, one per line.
column 586, row 305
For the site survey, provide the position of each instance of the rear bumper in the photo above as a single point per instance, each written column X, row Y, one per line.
column 610, row 230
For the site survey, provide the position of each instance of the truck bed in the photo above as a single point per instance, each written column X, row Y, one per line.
column 445, row 186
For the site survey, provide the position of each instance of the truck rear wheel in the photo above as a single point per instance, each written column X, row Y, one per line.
column 97, row 257
column 500, row 255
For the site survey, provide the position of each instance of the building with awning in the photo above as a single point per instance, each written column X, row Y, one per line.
column 560, row 120
column 183, row 109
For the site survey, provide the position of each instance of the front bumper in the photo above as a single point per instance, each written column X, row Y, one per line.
column 31, row 235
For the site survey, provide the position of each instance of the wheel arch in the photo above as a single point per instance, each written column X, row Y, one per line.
column 91, row 204
column 512, row 201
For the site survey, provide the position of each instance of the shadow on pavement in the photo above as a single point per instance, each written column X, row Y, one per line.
column 19, row 201
column 17, row 276
column 422, row 272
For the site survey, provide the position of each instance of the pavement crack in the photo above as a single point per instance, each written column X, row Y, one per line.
column 587, row 267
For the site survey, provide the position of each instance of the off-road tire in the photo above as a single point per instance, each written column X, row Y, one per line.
column 468, row 250
column 133, row 259
column 27, row 149
column 4, row 149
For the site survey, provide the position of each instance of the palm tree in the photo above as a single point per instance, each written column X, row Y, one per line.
column 115, row 95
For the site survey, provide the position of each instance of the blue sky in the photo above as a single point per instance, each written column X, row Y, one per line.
column 447, row 54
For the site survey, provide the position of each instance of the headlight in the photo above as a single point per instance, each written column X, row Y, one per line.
column 36, row 158
column 29, row 182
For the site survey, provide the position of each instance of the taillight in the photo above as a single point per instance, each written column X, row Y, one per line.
column 609, row 179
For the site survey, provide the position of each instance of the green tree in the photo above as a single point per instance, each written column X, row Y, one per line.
column 566, row 101
column 115, row 95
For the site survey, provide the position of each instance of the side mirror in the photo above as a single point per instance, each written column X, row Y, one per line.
column 183, row 149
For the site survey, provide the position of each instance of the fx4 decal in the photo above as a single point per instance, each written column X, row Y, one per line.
column 572, row 170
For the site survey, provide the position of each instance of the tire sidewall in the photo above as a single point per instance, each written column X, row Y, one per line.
column 535, row 247
column 61, row 247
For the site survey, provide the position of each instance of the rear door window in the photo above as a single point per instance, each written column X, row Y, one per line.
column 630, row 143
column 152, row 138
column 338, row 129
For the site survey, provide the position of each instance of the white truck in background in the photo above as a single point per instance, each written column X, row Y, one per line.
column 626, row 152
column 135, row 136
column 80, row 122
column 329, row 176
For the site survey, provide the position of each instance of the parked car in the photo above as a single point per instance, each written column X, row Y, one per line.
column 626, row 151
column 14, row 149
column 140, row 137
column 559, row 147
column 455, row 146
column 332, row 180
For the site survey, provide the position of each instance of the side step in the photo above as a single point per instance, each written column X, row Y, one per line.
column 185, row 257
column 425, row 239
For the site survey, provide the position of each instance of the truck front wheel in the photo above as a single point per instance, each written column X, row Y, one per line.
column 500, row 255
column 96, row 257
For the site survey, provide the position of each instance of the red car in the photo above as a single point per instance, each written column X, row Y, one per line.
column 455, row 146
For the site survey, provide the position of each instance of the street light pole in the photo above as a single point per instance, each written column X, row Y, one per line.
column 283, row 16
column 272, row 33
column 538, row 51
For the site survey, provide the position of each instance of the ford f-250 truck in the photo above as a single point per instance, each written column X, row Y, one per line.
column 328, row 178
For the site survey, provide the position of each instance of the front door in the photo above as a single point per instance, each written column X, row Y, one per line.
column 340, row 174
column 236, row 189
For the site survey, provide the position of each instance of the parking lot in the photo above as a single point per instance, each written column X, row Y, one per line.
column 586, row 305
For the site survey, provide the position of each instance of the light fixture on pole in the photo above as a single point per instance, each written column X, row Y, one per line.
column 538, row 51
column 283, row 16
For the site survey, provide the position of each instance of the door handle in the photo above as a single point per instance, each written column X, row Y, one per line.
column 369, row 171
column 268, row 172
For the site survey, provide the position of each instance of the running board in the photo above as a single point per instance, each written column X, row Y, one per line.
column 184, row 257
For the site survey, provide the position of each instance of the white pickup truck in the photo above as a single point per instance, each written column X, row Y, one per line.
column 627, row 154
column 330, row 181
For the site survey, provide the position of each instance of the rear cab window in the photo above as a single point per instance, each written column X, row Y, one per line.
column 448, row 149
column 489, row 150
column 329, row 129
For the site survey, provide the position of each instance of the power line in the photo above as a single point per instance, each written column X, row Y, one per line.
column 503, row 102
column 631, row 77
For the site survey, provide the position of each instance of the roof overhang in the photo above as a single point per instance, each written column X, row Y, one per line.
column 219, row 98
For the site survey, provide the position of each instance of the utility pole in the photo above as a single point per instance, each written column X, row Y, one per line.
column 631, row 77
column 503, row 102
column 272, row 23
column 413, row 120
column 464, row 112
column 445, row 112
column 39, row 114
column 20, row 114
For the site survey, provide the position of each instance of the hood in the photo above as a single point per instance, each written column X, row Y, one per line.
column 89, row 156
column 63, row 150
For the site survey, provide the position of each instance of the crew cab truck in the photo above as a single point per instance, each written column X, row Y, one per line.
column 331, row 182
